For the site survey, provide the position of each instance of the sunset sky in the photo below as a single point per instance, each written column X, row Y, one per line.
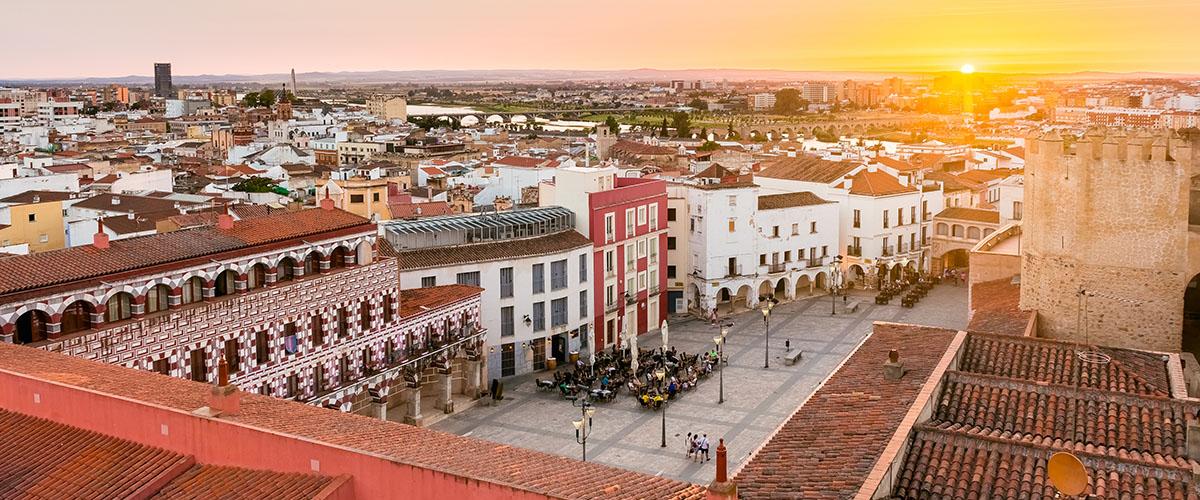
column 75, row 38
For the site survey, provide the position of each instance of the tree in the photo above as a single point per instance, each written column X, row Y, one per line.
column 704, row 133
column 665, row 130
column 267, row 97
column 250, row 100
column 699, row 104
column 682, row 123
column 787, row 101
column 709, row 146
column 255, row 185
column 613, row 125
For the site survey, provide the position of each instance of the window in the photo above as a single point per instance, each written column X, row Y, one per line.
column 1016, row 210
column 670, row 272
column 506, row 321
column 641, row 280
column 912, row 214
column 824, row 250
column 539, row 278
column 291, row 342
column 762, row 259
column 653, row 244
column 199, row 367
column 670, row 215
column 652, row 279
column 364, row 315
column 262, row 347
column 318, row 330
column 629, row 257
column 374, row 196
column 156, row 298
column 641, row 249
column 428, row 281
column 583, row 268
column 118, row 307
column 356, row 198
column 795, row 228
column 732, row 225
column 233, row 358
column 899, row 216
column 318, row 378
column 610, row 227
column 653, row 216
column 610, row 294
column 925, row 210
column 732, row 201
column 583, row 304
column 812, row 227
column 857, row 218
column 774, row 231
column 641, row 214
column 163, row 366
column 628, row 222
column 610, row 262
column 558, row 312
column 539, row 316
column 787, row 255
column 343, row 323
column 670, row 242
column 193, row 290
column 471, row 278
column 800, row 254
column 508, row 360
column 387, row 309
column 885, row 219
column 506, row 282
column 293, row 385
column 32, row 217
column 558, row 274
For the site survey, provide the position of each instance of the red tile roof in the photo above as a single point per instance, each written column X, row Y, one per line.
column 414, row 301
column 44, row 459
column 38, row 270
column 641, row 149
column 806, row 168
column 475, row 459
column 788, row 200
column 970, row 214
column 410, row 210
column 995, row 308
column 828, row 446
column 877, row 183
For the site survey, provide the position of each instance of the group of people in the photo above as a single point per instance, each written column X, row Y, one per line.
column 697, row 447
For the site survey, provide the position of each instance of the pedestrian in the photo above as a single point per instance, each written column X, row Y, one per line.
column 704, row 447
column 687, row 445
column 787, row 345
column 696, row 447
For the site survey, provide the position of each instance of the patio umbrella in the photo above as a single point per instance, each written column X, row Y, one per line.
column 633, row 350
column 664, row 336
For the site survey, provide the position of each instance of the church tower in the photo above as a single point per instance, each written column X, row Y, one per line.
column 1107, row 214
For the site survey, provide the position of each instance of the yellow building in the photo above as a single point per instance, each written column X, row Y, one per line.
column 364, row 197
column 388, row 107
column 34, row 218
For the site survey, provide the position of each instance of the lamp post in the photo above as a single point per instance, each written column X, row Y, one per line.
column 835, row 271
column 583, row 426
column 720, row 341
column 661, row 374
column 767, row 304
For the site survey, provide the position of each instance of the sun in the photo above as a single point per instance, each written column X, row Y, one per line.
column 967, row 69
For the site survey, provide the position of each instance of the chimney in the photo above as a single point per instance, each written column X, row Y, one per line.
column 722, row 488
column 893, row 369
column 327, row 202
column 224, row 220
column 224, row 398
column 100, row 239
column 116, row 200
column 1193, row 439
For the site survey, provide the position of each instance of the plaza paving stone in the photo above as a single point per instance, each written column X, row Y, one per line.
column 757, row 400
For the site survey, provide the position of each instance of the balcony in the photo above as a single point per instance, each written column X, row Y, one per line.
column 653, row 290
column 888, row 251
column 777, row 267
column 853, row 251
column 926, row 217
column 734, row 272
column 610, row 307
column 816, row 262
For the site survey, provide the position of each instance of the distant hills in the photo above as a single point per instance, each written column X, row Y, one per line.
column 553, row 75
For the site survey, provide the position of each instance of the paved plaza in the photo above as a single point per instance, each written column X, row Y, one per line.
column 757, row 400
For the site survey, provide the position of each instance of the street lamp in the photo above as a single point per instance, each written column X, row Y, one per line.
column 767, row 305
column 835, row 271
column 583, row 426
column 720, row 341
column 661, row 374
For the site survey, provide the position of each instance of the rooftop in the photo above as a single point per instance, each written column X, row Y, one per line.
column 788, row 200
column 807, row 168
column 477, row 227
column 424, row 258
column 970, row 214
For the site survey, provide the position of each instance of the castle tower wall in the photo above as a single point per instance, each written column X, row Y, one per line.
column 1107, row 213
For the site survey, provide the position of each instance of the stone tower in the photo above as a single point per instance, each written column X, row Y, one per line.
column 605, row 139
column 1107, row 213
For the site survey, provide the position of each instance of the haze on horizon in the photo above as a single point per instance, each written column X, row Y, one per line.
column 125, row 37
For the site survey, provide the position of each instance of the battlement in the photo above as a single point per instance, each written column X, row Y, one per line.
column 1114, row 144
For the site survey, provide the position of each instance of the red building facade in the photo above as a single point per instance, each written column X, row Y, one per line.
column 629, row 233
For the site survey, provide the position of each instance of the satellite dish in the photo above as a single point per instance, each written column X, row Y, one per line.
column 1067, row 474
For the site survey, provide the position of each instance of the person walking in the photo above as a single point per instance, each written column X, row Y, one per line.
column 688, row 444
column 704, row 447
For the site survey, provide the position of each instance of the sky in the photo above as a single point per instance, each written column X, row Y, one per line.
column 101, row 38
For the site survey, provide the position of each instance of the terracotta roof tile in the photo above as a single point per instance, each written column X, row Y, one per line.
column 414, row 301
column 641, row 149
column 995, row 308
column 970, row 214
column 528, row 470
column 70, row 264
column 788, row 200
column 807, row 168
column 208, row 481
column 877, row 183
column 828, row 446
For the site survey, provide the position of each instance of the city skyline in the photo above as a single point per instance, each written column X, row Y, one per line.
column 867, row 36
